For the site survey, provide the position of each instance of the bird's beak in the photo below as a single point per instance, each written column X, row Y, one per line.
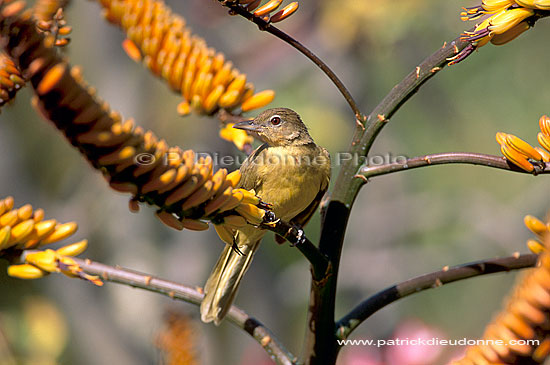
column 247, row 125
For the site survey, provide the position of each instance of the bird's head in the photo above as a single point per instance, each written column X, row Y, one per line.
column 278, row 127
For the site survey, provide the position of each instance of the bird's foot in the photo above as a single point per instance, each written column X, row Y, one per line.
column 265, row 206
column 270, row 219
column 297, row 233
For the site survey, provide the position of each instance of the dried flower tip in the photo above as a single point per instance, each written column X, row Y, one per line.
column 285, row 12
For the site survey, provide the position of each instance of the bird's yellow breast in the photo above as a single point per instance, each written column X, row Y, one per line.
column 288, row 177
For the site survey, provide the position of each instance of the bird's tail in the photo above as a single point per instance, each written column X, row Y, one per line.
column 224, row 281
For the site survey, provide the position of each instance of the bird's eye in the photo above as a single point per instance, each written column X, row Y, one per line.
column 276, row 120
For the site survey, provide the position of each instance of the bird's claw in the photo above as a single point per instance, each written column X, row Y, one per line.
column 300, row 237
column 265, row 206
column 270, row 219
column 235, row 248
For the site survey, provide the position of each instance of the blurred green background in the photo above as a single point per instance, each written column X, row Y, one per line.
column 402, row 225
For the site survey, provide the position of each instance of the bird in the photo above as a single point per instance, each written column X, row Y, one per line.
column 289, row 172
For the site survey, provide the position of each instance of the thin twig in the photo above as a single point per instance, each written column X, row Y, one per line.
column 318, row 261
column 191, row 295
column 270, row 28
column 428, row 281
column 479, row 159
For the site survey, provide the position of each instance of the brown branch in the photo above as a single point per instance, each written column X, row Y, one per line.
column 270, row 28
column 479, row 159
column 436, row 279
column 191, row 295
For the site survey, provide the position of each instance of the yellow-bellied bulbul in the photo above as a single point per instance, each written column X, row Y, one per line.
column 290, row 172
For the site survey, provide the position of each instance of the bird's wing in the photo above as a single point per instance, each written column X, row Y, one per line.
column 250, row 180
column 305, row 215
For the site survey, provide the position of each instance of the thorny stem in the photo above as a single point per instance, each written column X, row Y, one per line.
column 191, row 295
column 270, row 28
column 479, row 159
column 436, row 279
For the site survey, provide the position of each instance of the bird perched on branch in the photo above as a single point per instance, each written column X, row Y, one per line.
column 290, row 172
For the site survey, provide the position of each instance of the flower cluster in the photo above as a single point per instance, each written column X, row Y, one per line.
column 133, row 160
column 25, row 229
column 521, row 153
column 10, row 79
column 177, row 340
column 505, row 20
column 238, row 136
column 540, row 229
column 45, row 10
column 264, row 11
column 525, row 317
column 205, row 79
column 49, row 15
column 55, row 27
